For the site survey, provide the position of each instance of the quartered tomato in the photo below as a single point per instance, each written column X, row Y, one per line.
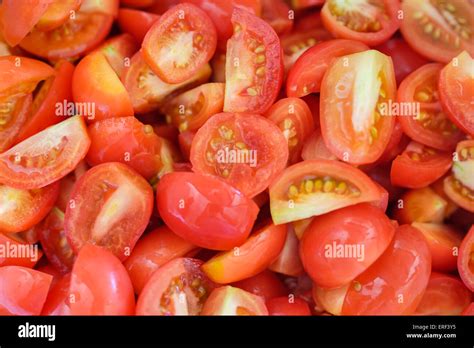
column 357, row 120
column 58, row 13
column 314, row 148
column 177, row 288
column 287, row 306
column 14, row 113
column 110, row 206
column 317, row 187
column 277, row 14
column 438, row 30
column 265, row 284
column 118, row 51
column 247, row 151
column 465, row 260
column 228, row 300
column 371, row 22
column 254, row 70
column 289, row 262
column 21, row 259
column 45, row 157
column 135, row 22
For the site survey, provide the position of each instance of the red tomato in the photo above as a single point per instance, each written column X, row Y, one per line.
column 45, row 157
column 250, row 258
column 369, row 22
column 330, row 300
column 100, row 284
column 307, row 73
column 185, row 140
column 218, row 219
column 277, row 14
column 111, row 207
column 245, row 150
column 357, row 122
column 23, row 291
column 455, row 83
column 430, row 126
column 265, row 284
column 138, row 3
column 161, row 6
column 315, row 148
column 465, row 259
column 180, row 43
column 14, row 113
column 24, row 260
column 438, row 30
column 153, row 251
column 301, row 4
column 177, row 288
column 419, row 166
column 228, row 300
column 395, row 283
column 287, row 306
column 254, row 70
column 317, row 187
column 57, row 302
column 445, row 295
column 469, row 310
column 135, row 22
column 58, row 13
column 289, row 262
column 218, row 67
column 118, row 51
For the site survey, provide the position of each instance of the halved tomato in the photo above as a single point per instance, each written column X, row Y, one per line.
column 254, row 70
column 247, row 151
column 228, row 300
column 57, row 302
column 19, row 258
column 287, row 306
column 58, row 13
column 357, row 93
column 135, row 22
column 314, row 148
column 45, row 157
column 14, row 113
column 277, row 14
column 265, row 284
column 317, row 187
column 118, row 51
column 288, row 262
column 465, row 259
column 110, row 206
column 369, row 21
column 177, row 288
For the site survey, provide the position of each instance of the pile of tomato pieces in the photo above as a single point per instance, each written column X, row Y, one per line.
column 236, row 157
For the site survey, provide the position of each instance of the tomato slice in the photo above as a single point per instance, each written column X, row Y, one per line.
column 395, row 283
column 465, row 259
column 289, row 262
column 247, row 151
column 330, row 300
column 118, row 51
column 190, row 110
column 177, row 288
column 276, row 13
column 180, row 43
column 249, row 259
column 438, row 30
column 112, row 207
column 254, row 69
column 371, row 22
column 265, row 284
column 14, row 113
column 24, row 260
column 100, row 284
column 314, row 148
column 317, row 187
column 153, row 251
column 427, row 125
column 286, row 306
column 445, row 295
column 306, row 74
column 57, row 14
column 295, row 120
column 455, row 83
column 419, row 166
column 135, row 22
column 57, row 302
column 459, row 186
column 228, row 300
column 45, row 157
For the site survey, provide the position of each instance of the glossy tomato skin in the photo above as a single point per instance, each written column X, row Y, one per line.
column 265, row 284
column 205, row 210
column 135, row 22
column 57, row 302
column 469, row 310
column 228, row 300
column 465, row 264
column 286, row 306
column 118, row 50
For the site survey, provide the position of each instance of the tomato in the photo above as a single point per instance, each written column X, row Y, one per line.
column 301, row 4
column 289, row 262
column 138, row 3
column 153, row 251
column 277, row 14
column 425, row 121
column 180, row 43
column 300, row 227
column 340, row 245
column 438, row 30
column 395, row 283
column 14, row 113
column 45, row 157
column 147, row 92
column 469, row 310
column 455, row 82
column 95, row 82
column 356, row 118
column 135, row 22
column 287, row 306
column 405, row 59
column 100, row 284
column 317, row 187
column 177, row 288
column 246, row 150
column 161, row 6
column 118, row 51
column 465, row 259
column 306, row 74
column 219, row 218
column 57, row 302
column 218, row 67
column 398, row 142
column 330, row 300
column 295, row 120
column 58, row 13
column 450, row 207
column 265, row 284
column 54, row 90
column 371, row 22
column 228, row 300
column 9, row 245
column 109, row 7
column 314, row 148
column 419, row 166
column 190, row 110
column 445, row 295
column 249, row 259
column 111, row 208
column 185, row 140
column 254, row 69
column 459, row 186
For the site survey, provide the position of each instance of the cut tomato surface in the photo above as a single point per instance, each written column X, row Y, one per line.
column 228, row 300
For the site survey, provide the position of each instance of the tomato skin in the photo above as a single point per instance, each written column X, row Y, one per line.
column 469, row 310
column 228, row 300
column 276, row 13
column 301, row 4
column 137, row 3
column 135, row 22
column 57, row 302
column 217, row 219
column 100, row 284
column 265, row 284
column 118, row 50
column 185, row 140
column 22, row 260
column 465, row 265
column 57, row 14
column 23, row 291
column 284, row 306
column 314, row 148
column 289, row 262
